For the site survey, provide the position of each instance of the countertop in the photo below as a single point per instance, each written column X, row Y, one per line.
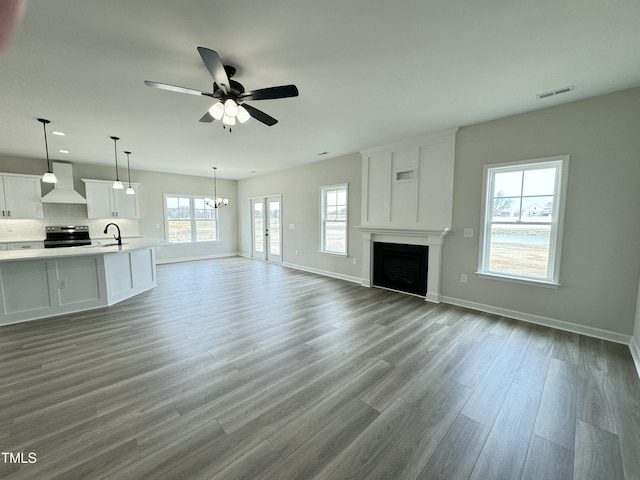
column 128, row 244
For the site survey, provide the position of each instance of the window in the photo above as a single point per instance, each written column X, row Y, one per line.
column 522, row 219
column 334, row 219
column 190, row 219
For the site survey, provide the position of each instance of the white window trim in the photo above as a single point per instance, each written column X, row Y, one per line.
column 323, row 190
column 166, row 220
column 557, row 222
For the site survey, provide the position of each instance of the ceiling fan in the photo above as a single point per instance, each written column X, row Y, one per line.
column 230, row 95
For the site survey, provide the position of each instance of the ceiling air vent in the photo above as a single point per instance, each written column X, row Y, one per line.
column 554, row 92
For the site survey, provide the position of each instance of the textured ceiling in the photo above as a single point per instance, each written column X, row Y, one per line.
column 370, row 72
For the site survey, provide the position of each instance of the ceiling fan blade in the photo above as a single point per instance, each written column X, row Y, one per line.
column 260, row 115
column 283, row 91
column 213, row 63
column 207, row 118
column 173, row 88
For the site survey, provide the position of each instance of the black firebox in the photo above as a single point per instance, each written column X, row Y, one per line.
column 401, row 267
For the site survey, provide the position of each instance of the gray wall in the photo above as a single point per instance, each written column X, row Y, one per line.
column 300, row 190
column 601, row 254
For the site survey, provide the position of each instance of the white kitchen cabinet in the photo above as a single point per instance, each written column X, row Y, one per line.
column 105, row 202
column 20, row 196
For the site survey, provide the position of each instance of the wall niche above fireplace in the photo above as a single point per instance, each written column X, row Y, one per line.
column 401, row 267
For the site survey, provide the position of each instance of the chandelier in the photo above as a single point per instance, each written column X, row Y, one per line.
column 217, row 201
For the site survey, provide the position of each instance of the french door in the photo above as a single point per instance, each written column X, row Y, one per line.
column 266, row 228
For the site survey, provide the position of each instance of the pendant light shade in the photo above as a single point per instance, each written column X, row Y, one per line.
column 230, row 107
column 217, row 111
column 243, row 115
column 117, row 184
column 130, row 190
column 49, row 176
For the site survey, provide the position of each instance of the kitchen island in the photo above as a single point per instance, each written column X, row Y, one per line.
column 42, row 283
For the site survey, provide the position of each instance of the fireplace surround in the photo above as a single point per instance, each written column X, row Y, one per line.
column 433, row 239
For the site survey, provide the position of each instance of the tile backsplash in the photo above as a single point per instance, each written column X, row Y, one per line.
column 61, row 214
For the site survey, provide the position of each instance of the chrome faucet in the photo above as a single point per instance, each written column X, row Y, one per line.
column 119, row 237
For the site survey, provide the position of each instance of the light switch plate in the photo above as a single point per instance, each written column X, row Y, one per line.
column 468, row 232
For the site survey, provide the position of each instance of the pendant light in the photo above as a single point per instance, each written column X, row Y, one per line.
column 217, row 201
column 117, row 184
column 130, row 190
column 49, row 176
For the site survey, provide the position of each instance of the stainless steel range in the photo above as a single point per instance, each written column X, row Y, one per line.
column 67, row 236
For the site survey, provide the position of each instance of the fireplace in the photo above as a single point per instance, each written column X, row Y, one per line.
column 430, row 240
column 401, row 267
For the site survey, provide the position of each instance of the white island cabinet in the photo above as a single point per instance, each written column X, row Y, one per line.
column 47, row 282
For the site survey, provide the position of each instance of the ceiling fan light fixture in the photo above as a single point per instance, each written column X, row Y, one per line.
column 230, row 94
column 230, row 107
column 217, row 111
column 243, row 115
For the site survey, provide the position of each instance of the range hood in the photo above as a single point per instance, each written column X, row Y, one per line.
column 63, row 191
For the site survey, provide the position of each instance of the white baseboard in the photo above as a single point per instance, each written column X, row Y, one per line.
column 193, row 259
column 324, row 273
column 539, row 320
column 635, row 353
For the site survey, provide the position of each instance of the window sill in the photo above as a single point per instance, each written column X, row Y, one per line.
column 335, row 254
column 204, row 242
column 522, row 281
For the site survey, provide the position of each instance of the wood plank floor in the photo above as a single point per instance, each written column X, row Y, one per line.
column 239, row 369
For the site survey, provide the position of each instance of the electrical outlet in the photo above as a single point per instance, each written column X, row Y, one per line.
column 292, row 226
column 62, row 283
column 296, row 251
column 463, row 278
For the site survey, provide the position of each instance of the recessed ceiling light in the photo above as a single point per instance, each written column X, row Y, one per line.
column 61, row 134
column 252, row 171
column 63, row 151
column 322, row 153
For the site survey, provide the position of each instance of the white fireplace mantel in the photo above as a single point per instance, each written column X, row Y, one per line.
column 434, row 239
